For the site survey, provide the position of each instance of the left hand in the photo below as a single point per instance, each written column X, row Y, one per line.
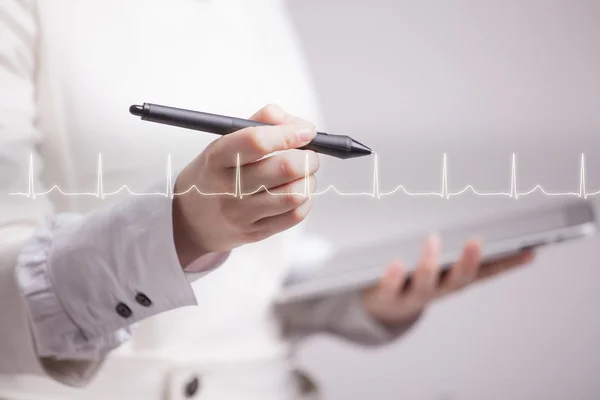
column 391, row 302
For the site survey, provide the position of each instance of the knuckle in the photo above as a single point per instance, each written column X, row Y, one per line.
column 299, row 214
column 288, row 168
column 271, row 111
column 289, row 141
column 314, row 161
column 256, row 140
column 293, row 200
column 295, row 194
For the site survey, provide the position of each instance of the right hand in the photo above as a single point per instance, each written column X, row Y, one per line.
column 204, row 224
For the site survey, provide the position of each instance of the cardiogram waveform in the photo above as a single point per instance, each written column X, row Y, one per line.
column 374, row 193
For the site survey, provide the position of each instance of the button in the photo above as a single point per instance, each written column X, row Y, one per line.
column 306, row 384
column 123, row 310
column 143, row 300
column 191, row 388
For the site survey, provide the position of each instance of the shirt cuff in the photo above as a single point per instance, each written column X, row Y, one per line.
column 89, row 279
column 55, row 333
column 205, row 265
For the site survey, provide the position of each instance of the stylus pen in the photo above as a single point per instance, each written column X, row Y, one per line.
column 340, row 146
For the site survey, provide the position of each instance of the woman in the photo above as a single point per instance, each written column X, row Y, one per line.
column 80, row 274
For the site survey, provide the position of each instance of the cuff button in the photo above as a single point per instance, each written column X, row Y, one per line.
column 191, row 388
column 143, row 300
column 123, row 310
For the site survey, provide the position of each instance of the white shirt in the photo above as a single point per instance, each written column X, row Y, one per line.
column 73, row 70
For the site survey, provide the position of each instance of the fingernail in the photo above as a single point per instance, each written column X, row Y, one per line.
column 305, row 133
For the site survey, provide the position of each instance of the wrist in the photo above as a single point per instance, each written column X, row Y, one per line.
column 187, row 246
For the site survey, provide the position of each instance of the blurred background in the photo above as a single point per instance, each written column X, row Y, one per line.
column 477, row 80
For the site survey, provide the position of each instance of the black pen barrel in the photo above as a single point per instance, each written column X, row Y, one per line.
column 340, row 146
column 196, row 120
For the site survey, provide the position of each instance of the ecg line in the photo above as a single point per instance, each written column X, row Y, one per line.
column 376, row 193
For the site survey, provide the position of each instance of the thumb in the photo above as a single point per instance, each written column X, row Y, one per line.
column 271, row 114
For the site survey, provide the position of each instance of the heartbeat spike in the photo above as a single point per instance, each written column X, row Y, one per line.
column 582, row 192
column 30, row 187
column 444, row 192
column 169, row 191
column 513, row 178
column 238, row 179
column 376, row 193
column 100, row 186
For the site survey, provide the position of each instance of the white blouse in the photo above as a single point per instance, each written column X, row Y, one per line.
column 97, row 265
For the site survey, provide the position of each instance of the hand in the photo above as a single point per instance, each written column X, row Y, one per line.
column 396, row 299
column 204, row 224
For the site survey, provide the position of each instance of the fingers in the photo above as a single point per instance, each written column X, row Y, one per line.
column 424, row 277
column 278, row 170
column 392, row 300
column 388, row 290
column 275, row 224
column 280, row 199
column 412, row 292
column 253, row 143
column 497, row 267
column 465, row 270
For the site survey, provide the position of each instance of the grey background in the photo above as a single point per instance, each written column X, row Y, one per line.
column 477, row 80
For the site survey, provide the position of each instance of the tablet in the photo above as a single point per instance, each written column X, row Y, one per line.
column 503, row 235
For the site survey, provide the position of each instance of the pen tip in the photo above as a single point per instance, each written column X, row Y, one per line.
column 359, row 149
column 136, row 110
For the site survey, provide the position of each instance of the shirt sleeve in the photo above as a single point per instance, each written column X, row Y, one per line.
column 342, row 315
column 88, row 279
